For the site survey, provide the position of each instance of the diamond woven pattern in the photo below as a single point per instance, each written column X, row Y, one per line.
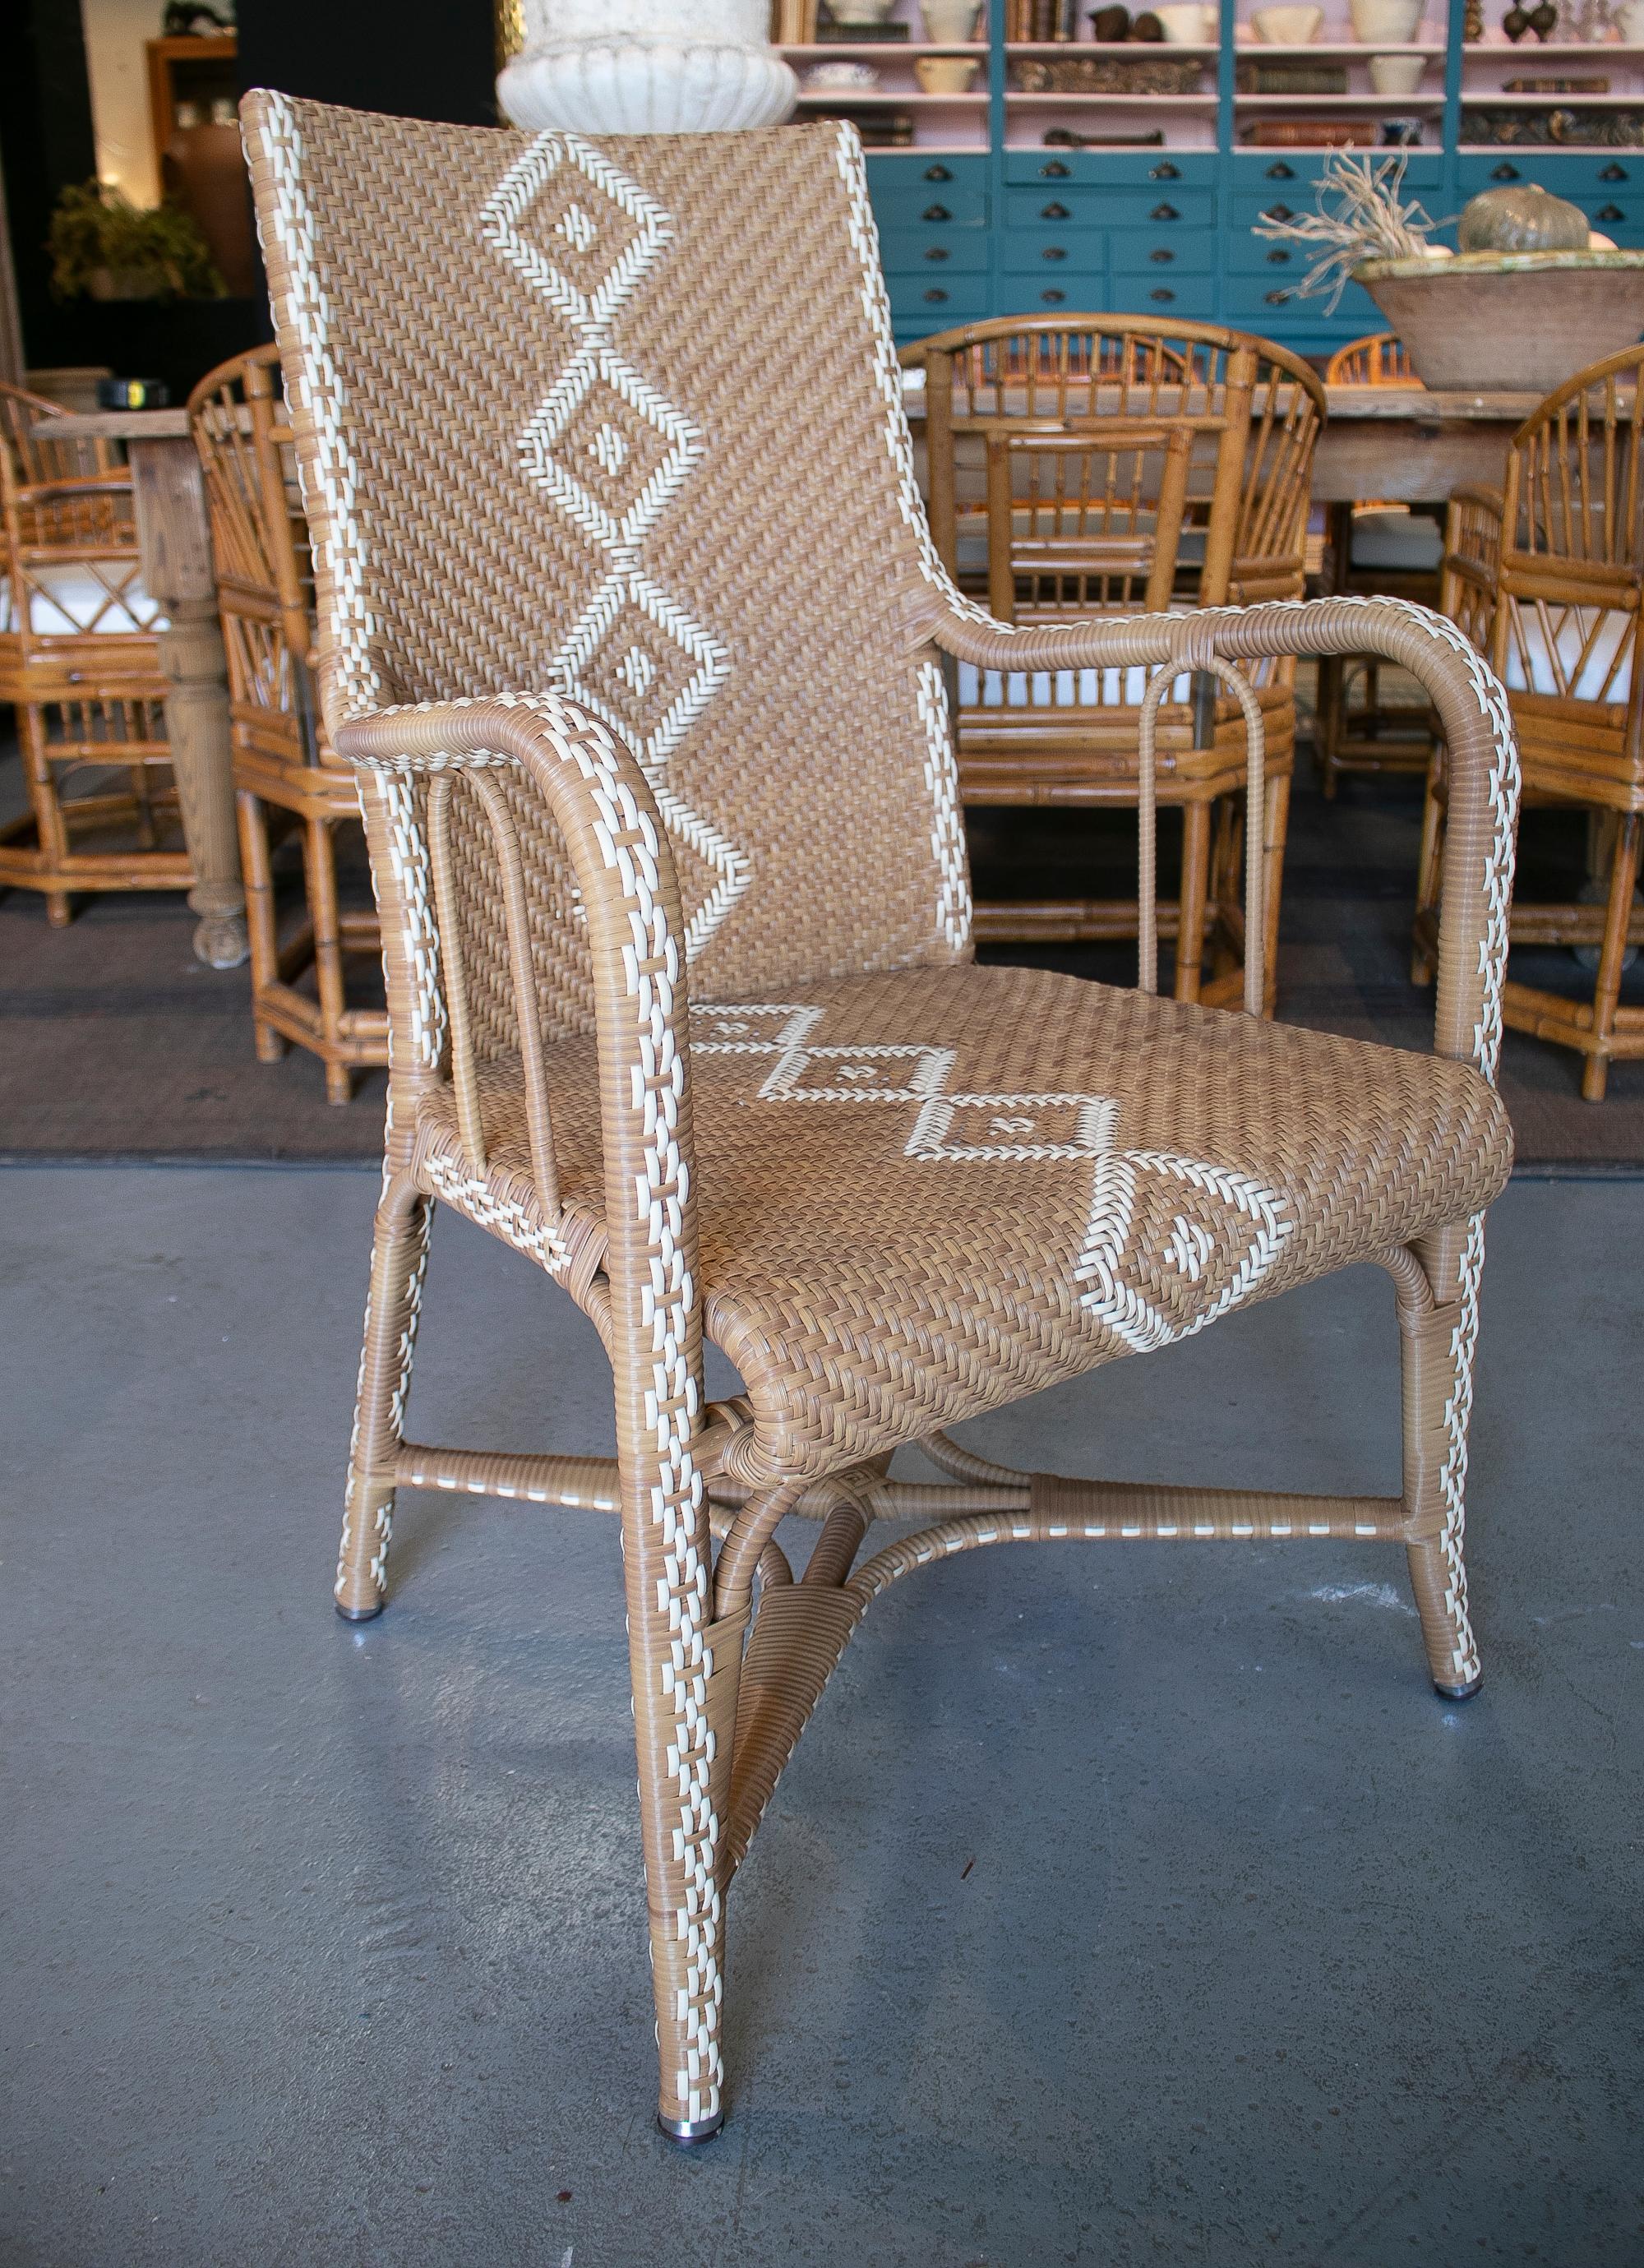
column 618, row 473
column 923, row 1196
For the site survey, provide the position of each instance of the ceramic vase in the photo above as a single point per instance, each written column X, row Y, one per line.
column 647, row 67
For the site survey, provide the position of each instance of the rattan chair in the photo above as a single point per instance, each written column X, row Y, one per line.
column 1385, row 550
column 1547, row 579
column 80, row 660
column 284, row 770
column 640, row 660
column 1051, row 489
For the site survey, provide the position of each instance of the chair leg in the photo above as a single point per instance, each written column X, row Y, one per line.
column 259, row 918
column 1190, row 937
column 1437, row 1346
column 320, row 874
column 398, row 1263
column 51, row 828
column 1624, row 872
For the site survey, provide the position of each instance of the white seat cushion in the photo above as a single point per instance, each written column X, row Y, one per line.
column 68, row 600
column 1530, row 666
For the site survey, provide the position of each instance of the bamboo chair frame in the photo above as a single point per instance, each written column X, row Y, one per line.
column 88, row 699
column 1370, row 738
column 1250, row 413
column 1553, row 565
column 569, row 1121
column 286, row 776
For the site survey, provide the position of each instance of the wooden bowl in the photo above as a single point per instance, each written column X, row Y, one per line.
column 1487, row 322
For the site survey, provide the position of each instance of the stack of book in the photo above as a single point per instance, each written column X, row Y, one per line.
column 793, row 23
column 1041, row 19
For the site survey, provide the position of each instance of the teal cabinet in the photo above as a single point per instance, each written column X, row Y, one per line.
column 985, row 217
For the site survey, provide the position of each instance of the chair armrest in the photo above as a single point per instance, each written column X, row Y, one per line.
column 1472, row 712
column 600, row 800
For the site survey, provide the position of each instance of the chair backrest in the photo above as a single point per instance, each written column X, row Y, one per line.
column 260, row 541
column 1570, row 577
column 1085, row 524
column 70, row 556
column 1379, row 358
column 622, row 420
column 1253, row 410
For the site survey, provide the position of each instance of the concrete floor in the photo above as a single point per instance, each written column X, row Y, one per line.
column 1121, row 1906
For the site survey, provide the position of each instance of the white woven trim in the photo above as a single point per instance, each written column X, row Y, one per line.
column 617, row 535
column 1452, row 1473
column 316, row 388
column 947, row 829
column 471, row 1194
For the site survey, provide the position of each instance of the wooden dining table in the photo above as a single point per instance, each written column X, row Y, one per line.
column 174, row 540
column 1412, row 447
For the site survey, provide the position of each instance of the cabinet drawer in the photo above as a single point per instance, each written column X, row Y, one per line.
column 1130, row 252
column 915, row 304
column 1269, row 172
column 911, row 252
column 1254, row 300
column 1593, row 173
column 1086, row 293
column 1193, row 297
column 1164, row 206
column 1059, row 253
column 1113, row 169
column 924, row 206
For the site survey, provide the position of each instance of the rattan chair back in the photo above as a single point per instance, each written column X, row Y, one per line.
column 1253, row 411
column 1547, row 579
column 1379, row 358
column 260, row 540
column 662, row 454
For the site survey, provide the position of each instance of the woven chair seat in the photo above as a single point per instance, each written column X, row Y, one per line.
column 923, row 1194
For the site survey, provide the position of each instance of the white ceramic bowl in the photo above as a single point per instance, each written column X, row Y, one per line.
column 1288, row 26
column 1386, row 23
column 1396, row 74
column 946, row 74
column 842, row 75
column 1190, row 24
column 948, row 23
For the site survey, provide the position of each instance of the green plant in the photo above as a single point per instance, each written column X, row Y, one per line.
column 95, row 230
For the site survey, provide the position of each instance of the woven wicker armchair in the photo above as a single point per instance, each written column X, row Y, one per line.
column 1052, row 487
column 1388, row 551
column 639, row 658
column 79, row 659
column 283, row 769
column 1547, row 579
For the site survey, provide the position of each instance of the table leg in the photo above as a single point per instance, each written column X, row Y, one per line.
column 175, row 538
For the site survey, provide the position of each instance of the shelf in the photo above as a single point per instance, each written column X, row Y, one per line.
column 1110, row 101
column 864, row 98
column 881, row 51
column 1489, row 97
column 1591, row 51
column 1398, row 104
column 1134, row 50
column 1259, row 50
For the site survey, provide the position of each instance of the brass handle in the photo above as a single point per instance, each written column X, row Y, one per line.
column 1054, row 212
column 937, row 174
column 936, row 296
column 1054, row 252
column 1281, row 172
column 936, row 212
column 1164, row 212
column 1162, row 255
column 1053, row 298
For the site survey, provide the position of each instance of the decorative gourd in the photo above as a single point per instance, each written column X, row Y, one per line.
column 1522, row 219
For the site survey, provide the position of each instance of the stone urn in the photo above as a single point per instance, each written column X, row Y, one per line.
column 647, row 67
